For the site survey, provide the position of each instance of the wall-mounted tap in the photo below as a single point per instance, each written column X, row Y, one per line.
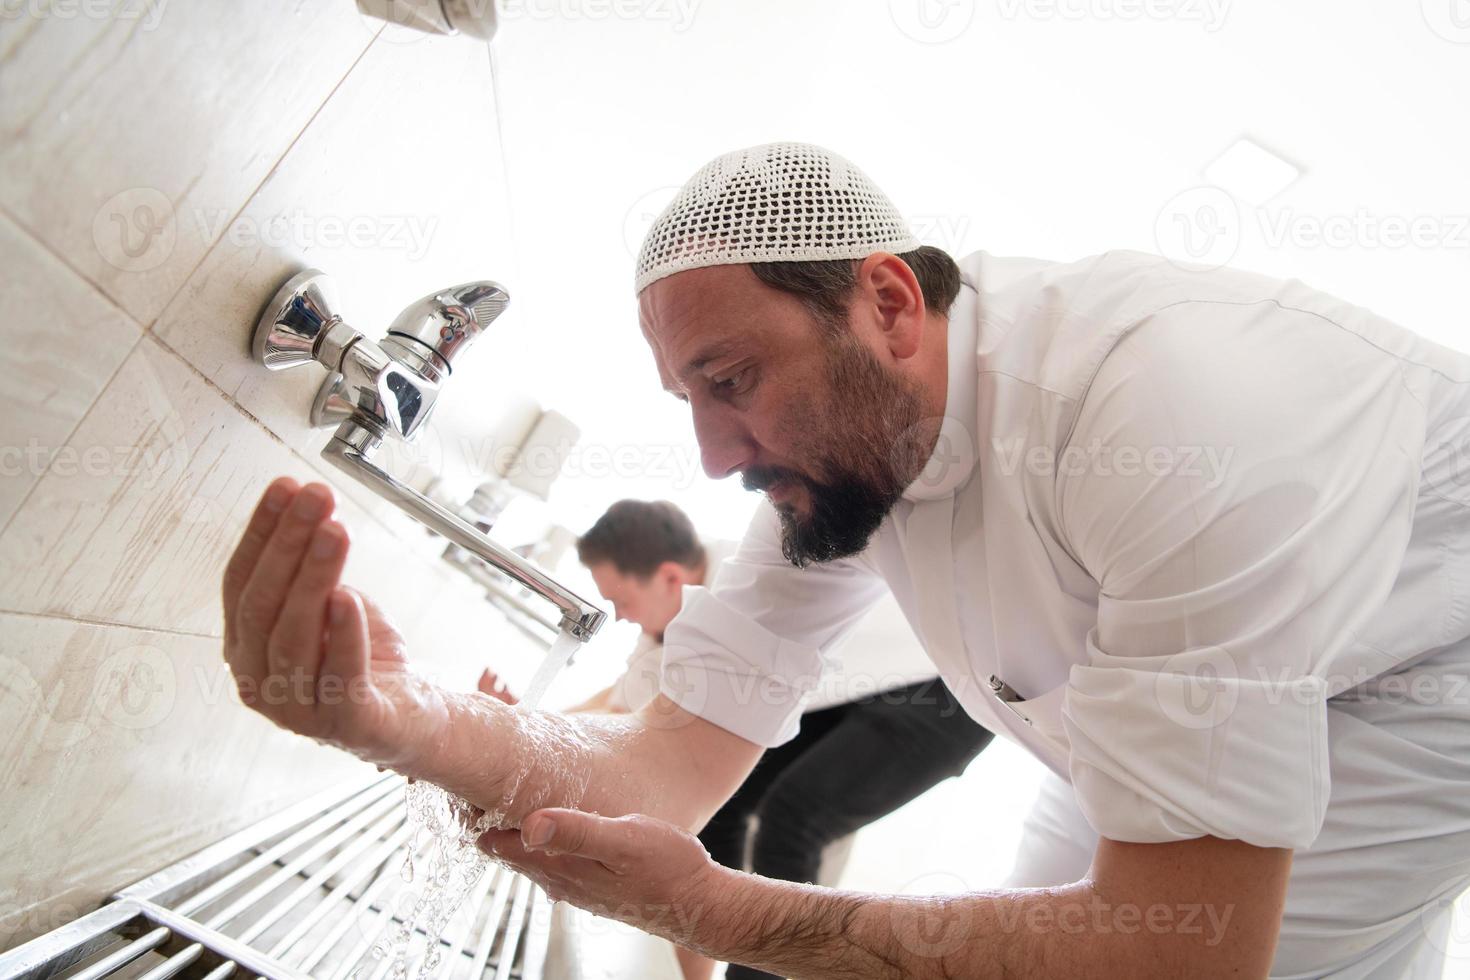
column 387, row 390
column 474, row 18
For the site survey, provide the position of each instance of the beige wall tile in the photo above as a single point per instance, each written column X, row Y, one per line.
column 128, row 141
column 62, row 342
column 395, row 190
column 114, row 560
column 127, row 750
column 141, row 539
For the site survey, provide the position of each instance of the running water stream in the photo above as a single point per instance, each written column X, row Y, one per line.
column 446, row 829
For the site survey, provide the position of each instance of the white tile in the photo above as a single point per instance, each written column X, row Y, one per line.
column 127, row 751
column 127, row 140
column 62, row 342
column 1250, row 172
column 141, row 538
column 395, row 190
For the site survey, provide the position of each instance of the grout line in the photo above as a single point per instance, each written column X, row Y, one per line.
column 146, row 330
column 61, row 258
column 276, row 166
column 274, row 436
column 225, row 395
column 71, row 434
column 90, row 621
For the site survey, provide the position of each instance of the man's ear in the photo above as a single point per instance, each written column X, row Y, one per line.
column 890, row 289
column 672, row 574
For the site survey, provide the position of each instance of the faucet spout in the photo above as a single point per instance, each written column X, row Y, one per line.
column 389, row 388
column 350, row 449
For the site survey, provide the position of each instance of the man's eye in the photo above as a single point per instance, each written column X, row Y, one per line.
column 732, row 383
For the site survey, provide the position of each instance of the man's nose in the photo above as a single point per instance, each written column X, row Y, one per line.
column 725, row 445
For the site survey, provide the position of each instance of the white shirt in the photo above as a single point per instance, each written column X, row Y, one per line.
column 1175, row 512
column 881, row 655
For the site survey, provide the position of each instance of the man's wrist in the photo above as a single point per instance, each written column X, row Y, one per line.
column 715, row 913
column 793, row 929
column 461, row 744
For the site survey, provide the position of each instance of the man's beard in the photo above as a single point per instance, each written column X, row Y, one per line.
column 869, row 443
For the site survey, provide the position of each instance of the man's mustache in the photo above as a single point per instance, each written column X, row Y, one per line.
column 761, row 478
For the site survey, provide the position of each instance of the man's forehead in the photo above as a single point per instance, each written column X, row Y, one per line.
column 681, row 321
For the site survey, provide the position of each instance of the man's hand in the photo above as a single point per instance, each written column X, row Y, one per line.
column 1199, row 908
column 491, row 684
column 310, row 654
column 645, row 872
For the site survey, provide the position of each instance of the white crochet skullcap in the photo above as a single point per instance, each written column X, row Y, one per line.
column 781, row 202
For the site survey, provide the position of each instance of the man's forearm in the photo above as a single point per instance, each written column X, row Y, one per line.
column 812, row 933
column 804, row 931
column 662, row 761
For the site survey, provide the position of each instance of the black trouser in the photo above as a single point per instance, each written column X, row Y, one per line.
column 850, row 765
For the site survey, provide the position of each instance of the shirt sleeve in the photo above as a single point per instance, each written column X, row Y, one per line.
column 745, row 653
column 1241, row 484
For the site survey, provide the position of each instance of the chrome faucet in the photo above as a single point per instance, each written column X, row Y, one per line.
column 387, row 390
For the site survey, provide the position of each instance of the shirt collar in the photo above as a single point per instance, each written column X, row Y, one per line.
column 953, row 460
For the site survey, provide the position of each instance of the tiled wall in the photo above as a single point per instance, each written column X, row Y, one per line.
column 165, row 167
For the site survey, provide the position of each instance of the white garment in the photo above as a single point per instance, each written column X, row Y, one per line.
column 880, row 655
column 639, row 682
column 1176, row 512
column 1057, row 845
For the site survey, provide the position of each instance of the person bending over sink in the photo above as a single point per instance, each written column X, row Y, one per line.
column 852, row 762
column 1197, row 539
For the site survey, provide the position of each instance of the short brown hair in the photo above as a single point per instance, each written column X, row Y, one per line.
column 637, row 536
column 825, row 285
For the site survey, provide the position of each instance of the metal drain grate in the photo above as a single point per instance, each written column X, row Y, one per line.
column 303, row 894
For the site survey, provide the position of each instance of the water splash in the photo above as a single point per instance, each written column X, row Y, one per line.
column 556, row 658
column 447, row 829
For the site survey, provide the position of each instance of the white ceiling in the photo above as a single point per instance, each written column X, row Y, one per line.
column 1057, row 129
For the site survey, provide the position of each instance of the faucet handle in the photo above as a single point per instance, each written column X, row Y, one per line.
column 448, row 320
column 294, row 321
